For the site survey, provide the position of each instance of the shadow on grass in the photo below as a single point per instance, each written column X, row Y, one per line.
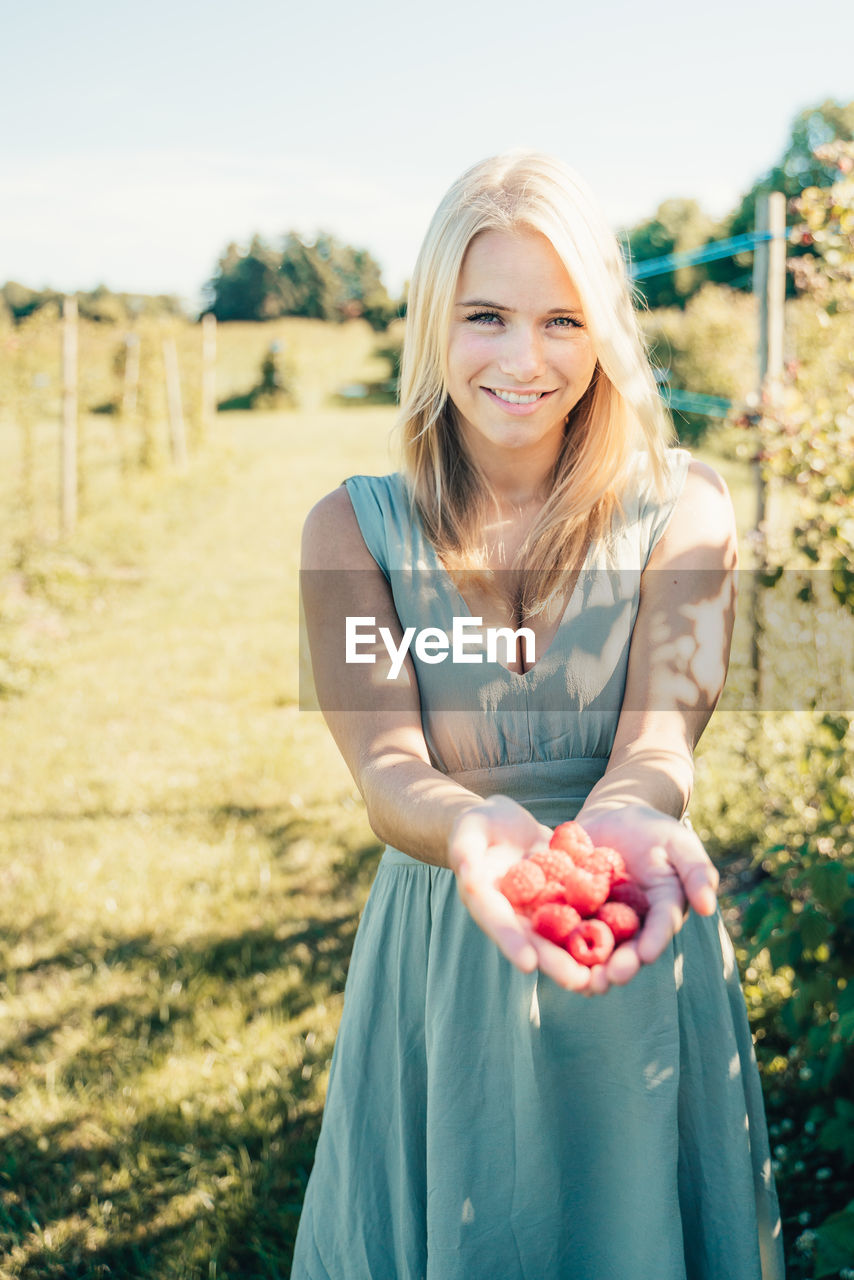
column 167, row 1218
column 189, row 1191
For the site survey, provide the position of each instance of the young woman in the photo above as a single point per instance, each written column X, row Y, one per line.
column 483, row 1118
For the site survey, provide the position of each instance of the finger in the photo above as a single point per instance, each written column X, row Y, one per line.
column 697, row 872
column 494, row 914
column 623, row 964
column 599, row 982
column 559, row 965
column 662, row 923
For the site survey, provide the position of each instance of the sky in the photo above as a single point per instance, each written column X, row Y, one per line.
column 139, row 140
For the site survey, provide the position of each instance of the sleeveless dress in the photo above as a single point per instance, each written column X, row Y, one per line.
column 485, row 1124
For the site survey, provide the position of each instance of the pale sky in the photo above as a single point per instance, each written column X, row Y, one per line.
column 139, row 139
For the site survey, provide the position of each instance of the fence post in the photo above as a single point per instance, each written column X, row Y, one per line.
column 769, row 285
column 177, row 436
column 208, row 371
column 131, row 380
column 68, row 444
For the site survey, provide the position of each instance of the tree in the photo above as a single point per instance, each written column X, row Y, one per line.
column 321, row 279
column 246, row 286
column 800, row 166
column 678, row 225
column 307, row 280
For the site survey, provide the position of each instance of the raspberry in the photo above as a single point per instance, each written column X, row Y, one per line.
column 586, row 890
column 556, row 921
column 570, row 836
column 553, row 892
column 554, row 863
column 619, row 874
column 620, row 918
column 594, row 861
column 522, row 882
column 591, row 942
column 632, row 895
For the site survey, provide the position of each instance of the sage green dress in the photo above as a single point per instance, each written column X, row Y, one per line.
column 482, row 1123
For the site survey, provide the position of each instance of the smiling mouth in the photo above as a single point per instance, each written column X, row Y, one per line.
column 516, row 397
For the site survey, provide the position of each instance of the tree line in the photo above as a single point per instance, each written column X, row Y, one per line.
column 323, row 278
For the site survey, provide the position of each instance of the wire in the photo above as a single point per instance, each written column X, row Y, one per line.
column 696, row 402
column 707, row 253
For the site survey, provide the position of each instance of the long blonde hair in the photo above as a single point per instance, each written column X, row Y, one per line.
column 620, row 413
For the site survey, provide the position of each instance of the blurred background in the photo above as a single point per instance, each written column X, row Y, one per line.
column 208, row 217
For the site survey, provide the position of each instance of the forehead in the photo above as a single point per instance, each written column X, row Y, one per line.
column 515, row 268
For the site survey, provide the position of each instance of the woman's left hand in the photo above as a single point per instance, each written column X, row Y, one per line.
column 669, row 862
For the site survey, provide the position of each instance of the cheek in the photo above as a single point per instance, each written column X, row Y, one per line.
column 580, row 363
column 467, row 353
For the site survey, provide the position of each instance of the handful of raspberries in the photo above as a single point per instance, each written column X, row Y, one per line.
column 576, row 895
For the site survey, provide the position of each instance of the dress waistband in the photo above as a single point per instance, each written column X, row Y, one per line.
column 549, row 779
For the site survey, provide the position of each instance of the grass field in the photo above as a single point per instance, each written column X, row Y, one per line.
column 183, row 860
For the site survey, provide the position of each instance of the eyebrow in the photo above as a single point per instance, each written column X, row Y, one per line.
column 496, row 306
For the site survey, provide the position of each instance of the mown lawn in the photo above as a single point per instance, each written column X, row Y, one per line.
column 183, row 860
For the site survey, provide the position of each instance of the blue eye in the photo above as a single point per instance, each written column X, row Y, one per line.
column 483, row 317
column 567, row 322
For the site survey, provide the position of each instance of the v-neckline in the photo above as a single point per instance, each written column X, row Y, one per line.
column 516, row 675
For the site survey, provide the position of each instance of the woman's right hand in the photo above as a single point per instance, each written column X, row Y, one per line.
column 484, row 842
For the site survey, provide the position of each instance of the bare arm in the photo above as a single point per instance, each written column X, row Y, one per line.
column 410, row 805
column 376, row 724
column 677, row 668
column 679, row 652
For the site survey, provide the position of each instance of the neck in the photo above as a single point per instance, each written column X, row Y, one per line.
column 517, row 483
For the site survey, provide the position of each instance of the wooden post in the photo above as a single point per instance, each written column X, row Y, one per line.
column 208, row 372
column 130, row 386
column 769, row 285
column 177, row 436
column 68, row 445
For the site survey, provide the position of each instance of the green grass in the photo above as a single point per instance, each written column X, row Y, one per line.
column 183, row 856
column 183, row 859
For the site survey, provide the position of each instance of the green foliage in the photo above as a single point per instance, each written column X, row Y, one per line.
column 707, row 346
column 99, row 304
column 320, row 280
column 803, row 435
column 273, row 390
column 795, row 923
column 678, row 225
column 835, row 1252
column 799, row 166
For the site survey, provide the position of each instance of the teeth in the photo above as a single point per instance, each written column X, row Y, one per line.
column 512, row 398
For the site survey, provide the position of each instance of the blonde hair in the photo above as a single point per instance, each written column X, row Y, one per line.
column 619, row 414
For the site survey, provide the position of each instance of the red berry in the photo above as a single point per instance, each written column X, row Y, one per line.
column 553, row 892
column 556, row 921
column 591, row 942
column 594, row 861
column 632, row 895
column 586, row 890
column 570, row 836
column 522, row 882
column 619, row 874
column 620, row 918
column 553, row 863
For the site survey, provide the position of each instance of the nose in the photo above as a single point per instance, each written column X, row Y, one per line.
column 522, row 356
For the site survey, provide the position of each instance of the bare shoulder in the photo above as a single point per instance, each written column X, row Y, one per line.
column 702, row 531
column 331, row 537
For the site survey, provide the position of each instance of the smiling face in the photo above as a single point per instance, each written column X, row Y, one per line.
column 519, row 355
